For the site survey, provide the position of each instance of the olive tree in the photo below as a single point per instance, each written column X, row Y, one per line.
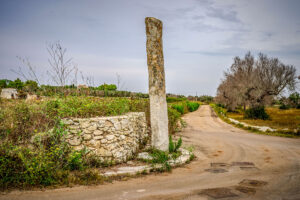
column 255, row 83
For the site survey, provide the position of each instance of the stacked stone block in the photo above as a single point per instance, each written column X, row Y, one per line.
column 115, row 138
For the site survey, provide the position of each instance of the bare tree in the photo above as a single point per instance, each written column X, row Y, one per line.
column 30, row 72
column 255, row 83
column 61, row 67
column 88, row 80
column 75, row 79
column 272, row 77
column 118, row 80
column 120, row 83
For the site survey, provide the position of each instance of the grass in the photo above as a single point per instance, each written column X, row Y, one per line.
column 184, row 107
column 178, row 107
column 288, row 123
column 19, row 119
column 163, row 157
column 280, row 119
column 49, row 161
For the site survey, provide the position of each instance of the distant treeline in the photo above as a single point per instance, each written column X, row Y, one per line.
column 32, row 87
column 104, row 90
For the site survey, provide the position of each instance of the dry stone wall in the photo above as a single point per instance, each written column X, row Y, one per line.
column 114, row 138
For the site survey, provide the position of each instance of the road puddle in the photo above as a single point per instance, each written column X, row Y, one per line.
column 220, row 164
column 218, row 193
column 245, row 190
column 216, row 170
column 243, row 164
column 249, row 168
column 253, row 183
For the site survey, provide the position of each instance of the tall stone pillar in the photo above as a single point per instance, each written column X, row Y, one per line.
column 157, row 88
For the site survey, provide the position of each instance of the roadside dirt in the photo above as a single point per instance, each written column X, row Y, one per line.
column 231, row 164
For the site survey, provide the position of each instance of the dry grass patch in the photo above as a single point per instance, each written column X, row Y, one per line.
column 280, row 119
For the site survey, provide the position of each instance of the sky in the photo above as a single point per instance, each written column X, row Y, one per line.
column 107, row 37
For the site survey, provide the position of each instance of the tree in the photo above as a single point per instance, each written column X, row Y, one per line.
column 105, row 86
column 235, row 89
column 120, row 83
column 31, row 86
column 294, row 99
column 18, row 84
column 61, row 67
column 255, row 83
column 60, row 71
column 4, row 83
column 205, row 98
column 30, row 73
column 88, row 80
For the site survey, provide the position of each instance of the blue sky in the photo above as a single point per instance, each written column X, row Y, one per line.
column 200, row 37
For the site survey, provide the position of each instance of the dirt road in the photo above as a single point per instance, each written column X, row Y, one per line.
column 231, row 164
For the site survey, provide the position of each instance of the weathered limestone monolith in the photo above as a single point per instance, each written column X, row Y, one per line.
column 157, row 89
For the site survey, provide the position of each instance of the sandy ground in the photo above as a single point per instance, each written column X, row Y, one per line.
column 231, row 164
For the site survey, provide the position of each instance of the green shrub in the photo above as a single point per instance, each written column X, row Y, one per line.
column 159, row 156
column 171, row 144
column 89, row 106
column 31, row 86
column 4, row 83
column 49, row 163
column 220, row 105
column 205, row 98
column 10, row 167
column 185, row 106
column 256, row 113
column 107, row 87
column 294, row 100
column 179, row 108
column 75, row 161
column 175, row 110
column 163, row 157
column 173, row 147
column 178, row 144
column 22, row 118
column 284, row 107
column 22, row 167
column 175, row 99
column 173, row 117
column 18, row 84
column 219, row 109
column 192, row 106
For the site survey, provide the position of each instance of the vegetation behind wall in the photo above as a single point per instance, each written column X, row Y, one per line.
column 50, row 161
